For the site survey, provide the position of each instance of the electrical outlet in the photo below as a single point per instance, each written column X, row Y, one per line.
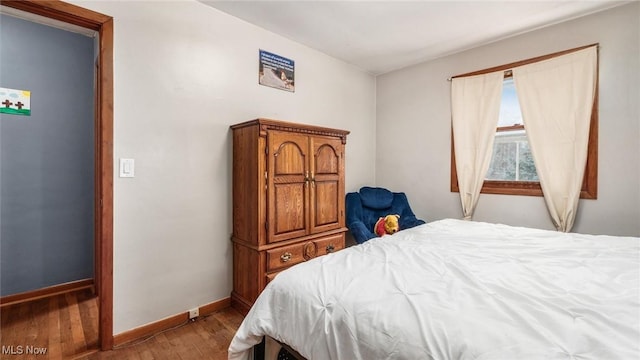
column 194, row 313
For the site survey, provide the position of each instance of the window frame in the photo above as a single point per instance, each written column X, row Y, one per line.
column 589, row 188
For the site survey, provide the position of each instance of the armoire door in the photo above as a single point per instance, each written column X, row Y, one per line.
column 327, row 184
column 288, row 186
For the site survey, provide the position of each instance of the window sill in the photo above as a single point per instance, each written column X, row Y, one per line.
column 525, row 188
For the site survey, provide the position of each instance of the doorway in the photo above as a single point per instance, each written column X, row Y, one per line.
column 103, row 143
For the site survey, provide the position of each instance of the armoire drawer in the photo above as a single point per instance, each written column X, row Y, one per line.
column 286, row 256
column 329, row 244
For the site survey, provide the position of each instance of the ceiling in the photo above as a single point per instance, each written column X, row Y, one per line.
column 381, row 36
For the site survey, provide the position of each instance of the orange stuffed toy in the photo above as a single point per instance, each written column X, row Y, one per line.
column 387, row 225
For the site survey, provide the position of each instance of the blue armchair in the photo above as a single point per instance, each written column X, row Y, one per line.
column 365, row 207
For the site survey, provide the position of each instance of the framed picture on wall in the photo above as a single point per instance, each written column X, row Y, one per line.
column 15, row 102
column 276, row 71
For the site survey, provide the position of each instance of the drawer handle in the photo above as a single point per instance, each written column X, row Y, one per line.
column 285, row 257
column 330, row 248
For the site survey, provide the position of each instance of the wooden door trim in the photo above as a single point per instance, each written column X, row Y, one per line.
column 103, row 24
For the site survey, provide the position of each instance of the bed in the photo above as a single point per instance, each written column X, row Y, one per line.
column 455, row 289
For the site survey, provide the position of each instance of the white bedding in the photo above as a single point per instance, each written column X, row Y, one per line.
column 454, row 289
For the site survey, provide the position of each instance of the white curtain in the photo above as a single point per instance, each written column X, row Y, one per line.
column 556, row 97
column 475, row 107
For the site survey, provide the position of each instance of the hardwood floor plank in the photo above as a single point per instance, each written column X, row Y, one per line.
column 163, row 347
column 22, row 333
column 132, row 354
column 180, row 337
column 147, row 352
column 77, row 334
column 206, row 341
column 89, row 316
column 66, row 338
column 221, row 336
column 230, row 318
column 55, row 349
column 39, row 323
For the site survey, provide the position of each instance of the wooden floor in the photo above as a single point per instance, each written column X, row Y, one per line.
column 66, row 327
column 60, row 326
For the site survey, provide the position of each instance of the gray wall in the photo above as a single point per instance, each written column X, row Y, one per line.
column 47, row 159
column 414, row 126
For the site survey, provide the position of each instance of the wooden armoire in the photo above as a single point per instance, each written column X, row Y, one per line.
column 288, row 200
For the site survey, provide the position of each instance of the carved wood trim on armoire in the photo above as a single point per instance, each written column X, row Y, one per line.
column 288, row 200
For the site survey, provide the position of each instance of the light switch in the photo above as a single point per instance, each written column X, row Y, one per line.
column 127, row 167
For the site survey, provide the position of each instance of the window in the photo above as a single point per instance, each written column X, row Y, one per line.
column 512, row 171
column 511, row 159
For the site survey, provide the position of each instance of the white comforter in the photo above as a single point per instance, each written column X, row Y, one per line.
column 455, row 289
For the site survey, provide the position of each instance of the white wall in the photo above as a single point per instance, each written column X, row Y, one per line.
column 414, row 126
column 184, row 72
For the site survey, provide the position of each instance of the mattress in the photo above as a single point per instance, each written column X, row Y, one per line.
column 454, row 289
